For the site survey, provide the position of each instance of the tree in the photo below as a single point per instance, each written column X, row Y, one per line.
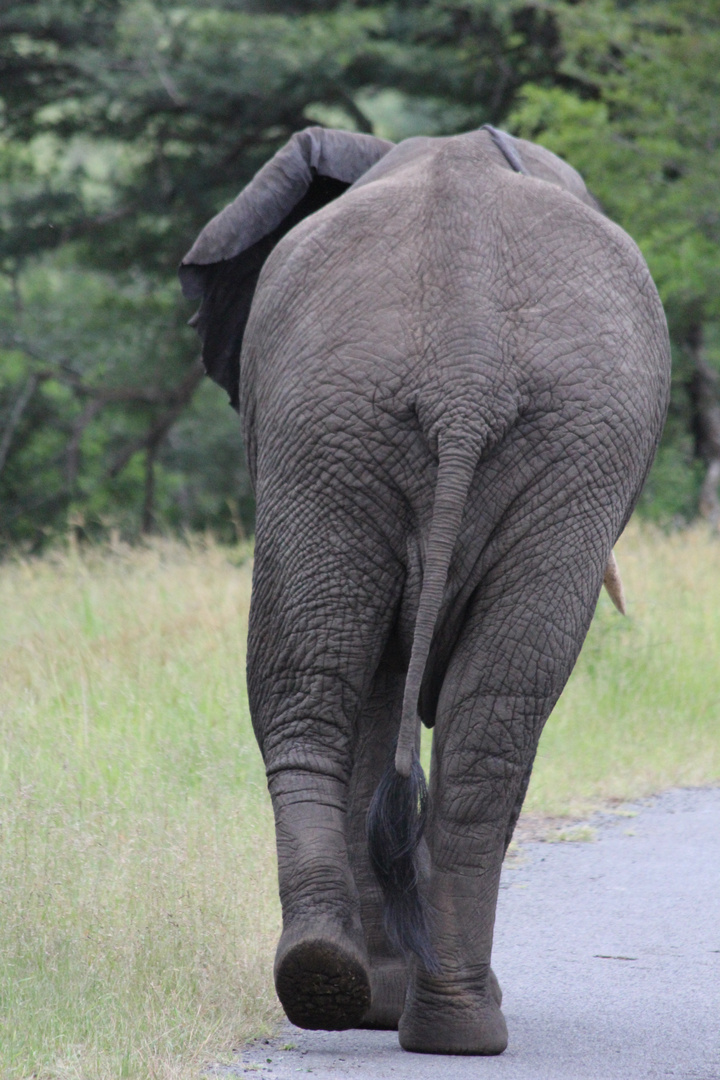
column 126, row 124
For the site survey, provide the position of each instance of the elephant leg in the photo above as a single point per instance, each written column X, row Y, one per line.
column 519, row 642
column 322, row 971
column 377, row 732
column 312, row 656
column 457, row 1011
column 519, row 800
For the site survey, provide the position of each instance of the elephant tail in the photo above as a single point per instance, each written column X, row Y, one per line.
column 455, row 472
column 398, row 810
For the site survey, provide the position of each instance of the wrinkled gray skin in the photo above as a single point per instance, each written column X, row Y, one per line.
column 445, row 309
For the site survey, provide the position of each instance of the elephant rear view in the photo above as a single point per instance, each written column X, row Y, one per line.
column 452, row 372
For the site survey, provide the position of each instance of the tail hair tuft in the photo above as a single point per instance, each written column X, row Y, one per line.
column 395, row 824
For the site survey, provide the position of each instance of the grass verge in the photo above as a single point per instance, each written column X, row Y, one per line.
column 137, row 887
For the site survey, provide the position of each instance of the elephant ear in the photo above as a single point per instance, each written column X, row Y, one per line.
column 223, row 265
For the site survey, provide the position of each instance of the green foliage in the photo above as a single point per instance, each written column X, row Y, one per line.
column 78, row 328
column 126, row 124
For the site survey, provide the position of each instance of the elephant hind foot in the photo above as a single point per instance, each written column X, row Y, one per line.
column 323, row 984
column 457, row 1022
column 389, row 983
column 483, row 1033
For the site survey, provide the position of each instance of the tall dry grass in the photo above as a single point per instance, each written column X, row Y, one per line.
column 138, row 911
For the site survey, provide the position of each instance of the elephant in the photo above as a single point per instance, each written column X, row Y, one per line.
column 452, row 371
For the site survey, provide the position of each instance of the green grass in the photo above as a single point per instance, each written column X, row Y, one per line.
column 138, row 912
column 138, row 909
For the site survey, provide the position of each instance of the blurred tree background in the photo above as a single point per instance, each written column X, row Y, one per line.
column 126, row 124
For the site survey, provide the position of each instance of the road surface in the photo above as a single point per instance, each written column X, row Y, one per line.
column 608, row 951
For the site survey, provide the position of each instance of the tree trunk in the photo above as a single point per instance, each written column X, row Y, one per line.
column 148, row 511
column 705, row 398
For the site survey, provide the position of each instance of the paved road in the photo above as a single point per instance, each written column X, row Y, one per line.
column 609, row 955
